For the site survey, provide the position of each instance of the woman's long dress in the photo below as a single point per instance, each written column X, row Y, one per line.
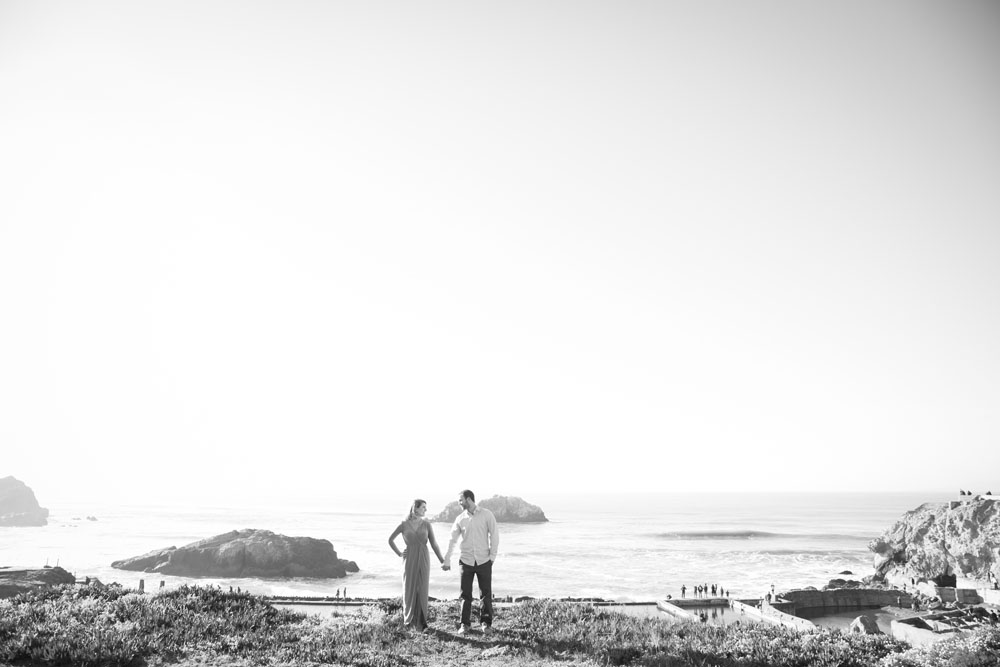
column 416, row 574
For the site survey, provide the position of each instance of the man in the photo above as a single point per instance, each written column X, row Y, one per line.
column 480, row 540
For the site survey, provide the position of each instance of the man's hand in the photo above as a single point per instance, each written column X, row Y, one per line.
column 446, row 567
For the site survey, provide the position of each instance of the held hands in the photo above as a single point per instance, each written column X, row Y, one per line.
column 445, row 567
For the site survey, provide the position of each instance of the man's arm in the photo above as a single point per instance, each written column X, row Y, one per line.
column 456, row 532
column 494, row 537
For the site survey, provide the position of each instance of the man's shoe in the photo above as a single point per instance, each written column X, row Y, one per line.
column 486, row 629
column 463, row 629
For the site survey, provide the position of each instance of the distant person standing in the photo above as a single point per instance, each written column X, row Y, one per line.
column 416, row 532
column 477, row 528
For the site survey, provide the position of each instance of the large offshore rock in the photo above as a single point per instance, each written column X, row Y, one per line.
column 15, row 580
column 507, row 509
column 245, row 553
column 940, row 541
column 18, row 505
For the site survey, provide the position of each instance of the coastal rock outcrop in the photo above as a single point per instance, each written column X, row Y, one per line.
column 507, row 509
column 941, row 541
column 15, row 580
column 864, row 625
column 18, row 505
column 245, row 553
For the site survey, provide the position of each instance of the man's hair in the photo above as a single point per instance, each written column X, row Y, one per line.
column 469, row 494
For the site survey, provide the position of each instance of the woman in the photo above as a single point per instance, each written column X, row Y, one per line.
column 416, row 530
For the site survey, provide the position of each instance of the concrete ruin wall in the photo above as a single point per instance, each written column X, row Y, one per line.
column 845, row 598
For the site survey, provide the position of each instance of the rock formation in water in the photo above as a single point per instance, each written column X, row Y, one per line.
column 15, row 580
column 941, row 541
column 507, row 509
column 245, row 553
column 18, row 505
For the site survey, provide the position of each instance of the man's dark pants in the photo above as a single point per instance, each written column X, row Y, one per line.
column 484, row 573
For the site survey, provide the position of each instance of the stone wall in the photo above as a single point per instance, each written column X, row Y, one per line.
column 769, row 614
column 963, row 595
column 772, row 612
column 991, row 596
column 673, row 610
column 815, row 601
column 930, row 628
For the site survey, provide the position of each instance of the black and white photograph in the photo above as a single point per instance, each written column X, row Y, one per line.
column 590, row 332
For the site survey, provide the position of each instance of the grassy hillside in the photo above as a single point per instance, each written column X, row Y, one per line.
column 206, row 626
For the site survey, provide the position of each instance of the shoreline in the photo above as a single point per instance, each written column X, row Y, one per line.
column 649, row 554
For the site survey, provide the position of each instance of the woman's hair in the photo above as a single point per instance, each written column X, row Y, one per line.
column 413, row 508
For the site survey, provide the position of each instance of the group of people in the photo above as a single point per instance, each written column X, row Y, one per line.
column 476, row 527
column 704, row 590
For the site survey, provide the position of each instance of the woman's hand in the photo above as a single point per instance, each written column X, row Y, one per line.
column 403, row 555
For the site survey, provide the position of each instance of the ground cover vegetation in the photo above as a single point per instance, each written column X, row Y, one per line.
column 89, row 626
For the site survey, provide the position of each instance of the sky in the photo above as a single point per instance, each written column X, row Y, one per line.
column 255, row 250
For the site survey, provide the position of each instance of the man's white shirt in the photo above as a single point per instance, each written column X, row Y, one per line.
column 480, row 539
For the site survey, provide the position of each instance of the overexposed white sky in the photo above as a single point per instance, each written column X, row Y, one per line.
column 282, row 248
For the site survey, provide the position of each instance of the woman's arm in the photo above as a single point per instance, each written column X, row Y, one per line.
column 392, row 543
column 434, row 542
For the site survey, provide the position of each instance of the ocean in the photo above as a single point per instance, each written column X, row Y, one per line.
column 621, row 547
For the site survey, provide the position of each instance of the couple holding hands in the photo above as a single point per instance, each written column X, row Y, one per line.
column 477, row 528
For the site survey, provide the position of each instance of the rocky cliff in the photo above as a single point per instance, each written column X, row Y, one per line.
column 245, row 553
column 941, row 541
column 18, row 506
column 507, row 509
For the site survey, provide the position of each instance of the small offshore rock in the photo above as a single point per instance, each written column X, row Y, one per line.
column 507, row 509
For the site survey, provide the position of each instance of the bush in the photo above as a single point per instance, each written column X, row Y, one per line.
column 92, row 626
column 550, row 628
column 111, row 626
column 981, row 649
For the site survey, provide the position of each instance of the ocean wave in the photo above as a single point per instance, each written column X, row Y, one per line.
column 839, row 553
column 752, row 535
